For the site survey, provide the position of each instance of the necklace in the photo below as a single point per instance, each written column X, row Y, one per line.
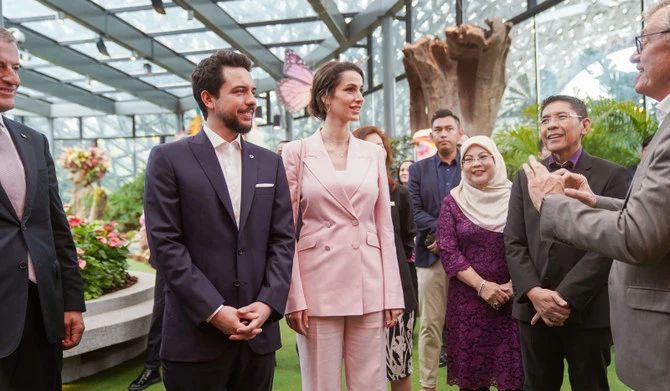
column 334, row 148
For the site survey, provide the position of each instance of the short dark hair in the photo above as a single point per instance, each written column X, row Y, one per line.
column 208, row 74
column 326, row 79
column 647, row 140
column 576, row 104
column 443, row 113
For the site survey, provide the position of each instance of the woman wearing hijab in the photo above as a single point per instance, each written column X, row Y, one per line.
column 482, row 337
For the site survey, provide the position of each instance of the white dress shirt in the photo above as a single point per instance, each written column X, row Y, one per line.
column 229, row 155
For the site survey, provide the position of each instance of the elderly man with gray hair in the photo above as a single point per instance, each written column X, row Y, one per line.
column 634, row 231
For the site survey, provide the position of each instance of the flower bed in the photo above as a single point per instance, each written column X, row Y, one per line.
column 102, row 254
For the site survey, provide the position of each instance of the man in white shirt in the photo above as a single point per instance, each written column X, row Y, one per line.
column 220, row 229
column 634, row 231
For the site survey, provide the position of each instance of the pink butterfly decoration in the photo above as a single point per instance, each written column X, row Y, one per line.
column 294, row 90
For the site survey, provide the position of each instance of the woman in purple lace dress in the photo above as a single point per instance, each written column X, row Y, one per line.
column 482, row 338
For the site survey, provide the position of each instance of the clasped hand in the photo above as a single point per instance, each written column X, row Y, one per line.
column 541, row 182
column 497, row 294
column 242, row 324
column 549, row 306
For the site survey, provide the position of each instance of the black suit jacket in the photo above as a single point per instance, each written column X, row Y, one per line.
column 205, row 259
column 580, row 277
column 44, row 232
column 404, row 231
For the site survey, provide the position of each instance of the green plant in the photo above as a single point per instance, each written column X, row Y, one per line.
column 102, row 254
column 403, row 149
column 125, row 205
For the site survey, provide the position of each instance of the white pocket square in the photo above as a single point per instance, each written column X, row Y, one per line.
column 264, row 185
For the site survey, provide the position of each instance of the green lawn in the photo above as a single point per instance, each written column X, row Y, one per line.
column 287, row 374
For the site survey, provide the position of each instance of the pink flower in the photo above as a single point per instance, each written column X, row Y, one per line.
column 115, row 242
column 80, row 251
column 108, row 227
column 74, row 221
column 102, row 239
column 82, row 263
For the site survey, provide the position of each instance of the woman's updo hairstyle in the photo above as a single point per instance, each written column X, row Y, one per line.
column 326, row 79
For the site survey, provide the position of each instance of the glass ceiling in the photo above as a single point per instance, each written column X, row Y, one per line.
column 152, row 55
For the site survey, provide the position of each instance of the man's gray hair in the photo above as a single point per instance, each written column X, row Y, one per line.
column 662, row 7
column 7, row 36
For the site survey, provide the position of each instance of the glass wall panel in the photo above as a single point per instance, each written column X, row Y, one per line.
column 155, row 124
column 583, row 49
column 248, row 11
column 66, row 128
column 120, row 152
column 107, row 126
column 431, row 17
column 476, row 11
column 402, row 108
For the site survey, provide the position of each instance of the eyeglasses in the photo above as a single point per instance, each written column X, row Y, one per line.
column 639, row 44
column 470, row 160
column 562, row 119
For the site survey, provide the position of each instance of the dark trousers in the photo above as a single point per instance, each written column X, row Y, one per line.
column 153, row 360
column 544, row 348
column 239, row 368
column 35, row 364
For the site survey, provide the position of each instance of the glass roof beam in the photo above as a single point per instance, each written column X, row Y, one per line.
column 53, row 87
column 358, row 28
column 225, row 26
column 331, row 16
column 69, row 58
column 97, row 19
column 32, row 105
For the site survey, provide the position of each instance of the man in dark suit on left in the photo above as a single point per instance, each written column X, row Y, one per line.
column 41, row 291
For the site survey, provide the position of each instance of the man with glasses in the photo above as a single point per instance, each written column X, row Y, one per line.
column 561, row 300
column 635, row 231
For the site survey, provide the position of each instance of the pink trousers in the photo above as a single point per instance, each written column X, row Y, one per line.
column 358, row 340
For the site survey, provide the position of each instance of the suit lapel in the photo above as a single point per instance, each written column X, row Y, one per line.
column 204, row 153
column 25, row 150
column 318, row 163
column 249, row 179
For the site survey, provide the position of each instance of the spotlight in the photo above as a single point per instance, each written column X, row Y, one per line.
column 147, row 68
column 133, row 56
column 276, row 121
column 258, row 117
column 60, row 17
column 17, row 34
column 25, row 55
column 158, row 6
column 189, row 15
column 101, row 47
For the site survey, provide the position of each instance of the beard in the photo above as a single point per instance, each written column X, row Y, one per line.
column 231, row 121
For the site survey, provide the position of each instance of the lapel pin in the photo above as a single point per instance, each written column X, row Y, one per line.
column 251, row 156
column 23, row 135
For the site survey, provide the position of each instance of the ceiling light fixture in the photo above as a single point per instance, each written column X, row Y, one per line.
column 147, row 68
column 189, row 15
column 133, row 56
column 276, row 121
column 60, row 17
column 102, row 48
column 158, row 6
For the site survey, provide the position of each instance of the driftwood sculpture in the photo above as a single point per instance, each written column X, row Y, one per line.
column 465, row 73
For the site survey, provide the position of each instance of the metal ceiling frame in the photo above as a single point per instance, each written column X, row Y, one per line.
column 226, row 27
column 330, row 15
column 97, row 19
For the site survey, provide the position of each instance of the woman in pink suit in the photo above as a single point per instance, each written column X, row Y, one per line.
column 345, row 285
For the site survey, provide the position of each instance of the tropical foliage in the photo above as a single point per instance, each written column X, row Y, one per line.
column 125, row 205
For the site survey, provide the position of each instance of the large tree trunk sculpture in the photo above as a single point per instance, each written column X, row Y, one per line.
column 465, row 73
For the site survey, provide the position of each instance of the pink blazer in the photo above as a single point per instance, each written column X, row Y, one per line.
column 345, row 261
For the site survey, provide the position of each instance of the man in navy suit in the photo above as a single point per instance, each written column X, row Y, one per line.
column 41, row 292
column 220, row 229
column 430, row 180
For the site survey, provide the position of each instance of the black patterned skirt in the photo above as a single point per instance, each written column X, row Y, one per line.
column 399, row 348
